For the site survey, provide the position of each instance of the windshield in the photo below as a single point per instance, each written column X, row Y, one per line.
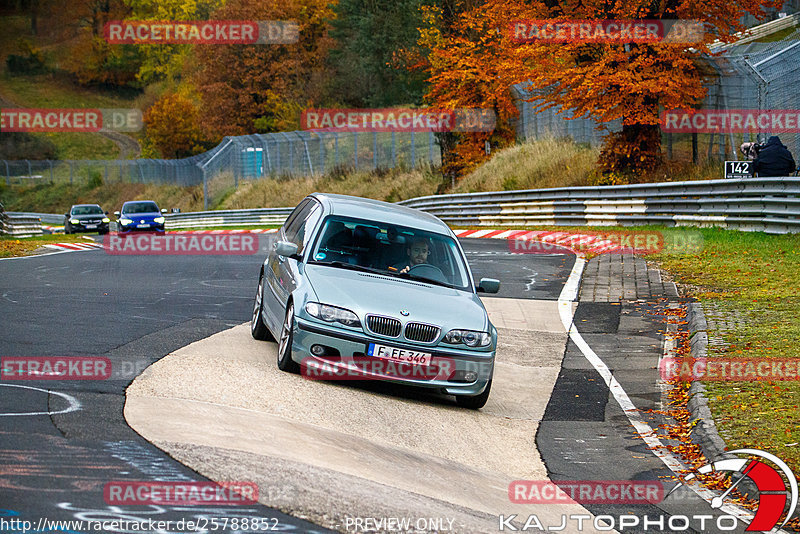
column 391, row 250
column 87, row 210
column 140, row 207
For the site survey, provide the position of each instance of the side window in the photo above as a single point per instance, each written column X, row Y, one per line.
column 291, row 224
column 305, row 233
column 299, row 228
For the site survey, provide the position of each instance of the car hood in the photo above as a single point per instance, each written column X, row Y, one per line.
column 88, row 217
column 366, row 293
column 146, row 216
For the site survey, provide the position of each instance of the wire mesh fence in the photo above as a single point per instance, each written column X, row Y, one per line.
column 753, row 76
column 248, row 157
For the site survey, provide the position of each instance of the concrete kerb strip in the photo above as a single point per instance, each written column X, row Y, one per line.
column 704, row 431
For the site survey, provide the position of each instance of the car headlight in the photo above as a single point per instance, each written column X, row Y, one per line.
column 331, row 314
column 106, row 219
column 159, row 220
column 125, row 222
column 74, row 221
column 469, row 338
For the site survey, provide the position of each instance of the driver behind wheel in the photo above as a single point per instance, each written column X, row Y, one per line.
column 416, row 254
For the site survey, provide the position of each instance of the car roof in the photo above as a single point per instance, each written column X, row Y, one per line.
column 138, row 201
column 84, row 205
column 376, row 210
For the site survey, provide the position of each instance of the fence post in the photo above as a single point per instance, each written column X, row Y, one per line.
column 51, row 170
column 336, row 149
column 321, row 153
column 394, row 149
column 430, row 148
column 355, row 150
column 70, row 171
column 30, row 171
column 105, row 177
column 205, row 189
column 413, row 151
column 374, row 149
column 8, row 173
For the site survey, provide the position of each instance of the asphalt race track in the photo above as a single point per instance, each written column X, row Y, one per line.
column 230, row 415
column 62, row 441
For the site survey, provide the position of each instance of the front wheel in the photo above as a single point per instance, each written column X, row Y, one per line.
column 285, row 361
column 476, row 401
column 257, row 327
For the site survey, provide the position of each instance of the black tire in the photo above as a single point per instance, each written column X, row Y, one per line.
column 475, row 402
column 258, row 329
column 285, row 361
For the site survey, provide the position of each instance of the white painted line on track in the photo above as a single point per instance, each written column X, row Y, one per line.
column 74, row 404
column 568, row 295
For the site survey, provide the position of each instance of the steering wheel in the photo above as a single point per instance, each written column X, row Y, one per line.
column 426, row 270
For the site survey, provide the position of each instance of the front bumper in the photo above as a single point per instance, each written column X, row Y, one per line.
column 350, row 344
column 82, row 227
column 146, row 227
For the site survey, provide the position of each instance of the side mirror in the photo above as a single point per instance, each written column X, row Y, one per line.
column 286, row 249
column 116, row 214
column 488, row 285
column 163, row 210
column 66, row 215
column 106, row 213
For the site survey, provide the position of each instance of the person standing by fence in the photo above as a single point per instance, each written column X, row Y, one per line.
column 773, row 159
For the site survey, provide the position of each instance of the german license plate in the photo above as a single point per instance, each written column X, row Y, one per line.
column 396, row 354
column 91, row 226
column 142, row 226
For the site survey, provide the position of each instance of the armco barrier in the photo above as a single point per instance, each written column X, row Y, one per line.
column 752, row 204
column 200, row 219
column 21, row 225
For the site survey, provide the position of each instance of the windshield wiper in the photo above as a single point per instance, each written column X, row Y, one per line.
column 351, row 266
column 426, row 280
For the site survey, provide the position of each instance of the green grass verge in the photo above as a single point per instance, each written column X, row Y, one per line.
column 25, row 246
column 752, row 279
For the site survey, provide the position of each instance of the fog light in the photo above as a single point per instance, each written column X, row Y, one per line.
column 317, row 350
column 469, row 376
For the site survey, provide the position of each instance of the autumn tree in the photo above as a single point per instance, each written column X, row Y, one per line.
column 477, row 61
column 242, row 84
column 166, row 61
column 173, row 126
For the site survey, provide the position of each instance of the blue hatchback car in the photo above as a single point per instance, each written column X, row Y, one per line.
column 140, row 215
column 356, row 287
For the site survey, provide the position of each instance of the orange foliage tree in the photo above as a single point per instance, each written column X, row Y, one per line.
column 472, row 60
column 264, row 86
column 173, row 126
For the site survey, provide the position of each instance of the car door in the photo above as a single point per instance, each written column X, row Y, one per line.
column 283, row 273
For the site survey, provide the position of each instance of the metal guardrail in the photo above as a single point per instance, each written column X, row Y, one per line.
column 45, row 218
column 200, row 219
column 21, row 225
column 749, row 204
